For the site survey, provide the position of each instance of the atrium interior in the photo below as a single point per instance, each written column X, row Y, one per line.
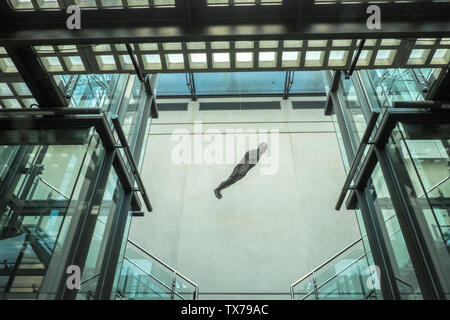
column 125, row 147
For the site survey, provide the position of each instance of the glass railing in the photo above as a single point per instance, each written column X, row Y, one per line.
column 345, row 276
column 103, row 91
column 390, row 85
column 425, row 163
column 145, row 277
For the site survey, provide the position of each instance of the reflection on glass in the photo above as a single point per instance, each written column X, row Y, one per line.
column 145, row 277
column 344, row 277
column 352, row 110
column 43, row 183
column 424, row 151
column 390, row 85
column 240, row 83
column 96, row 253
column 398, row 253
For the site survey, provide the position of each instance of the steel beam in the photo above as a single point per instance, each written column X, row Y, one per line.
column 41, row 85
column 198, row 22
column 441, row 88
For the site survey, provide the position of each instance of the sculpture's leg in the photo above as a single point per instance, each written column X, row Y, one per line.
column 238, row 173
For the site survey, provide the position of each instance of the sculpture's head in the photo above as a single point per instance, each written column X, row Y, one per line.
column 262, row 147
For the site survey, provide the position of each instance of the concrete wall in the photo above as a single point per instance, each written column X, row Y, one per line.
column 268, row 230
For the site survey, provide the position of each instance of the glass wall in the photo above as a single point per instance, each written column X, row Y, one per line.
column 60, row 194
column 43, row 191
column 423, row 150
column 352, row 109
column 401, row 262
column 96, row 254
column 423, row 167
column 384, row 86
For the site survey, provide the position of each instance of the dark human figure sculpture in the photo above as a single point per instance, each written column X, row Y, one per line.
column 250, row 160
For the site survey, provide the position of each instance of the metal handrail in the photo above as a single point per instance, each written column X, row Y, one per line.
column 129, row 156
column 358, row 156
column 154, row 278
column 53, row 188
column 90, row 278
column 165, row 265
column 433, row 187
column 325, row 263
column 334, row 276
column 407, row 284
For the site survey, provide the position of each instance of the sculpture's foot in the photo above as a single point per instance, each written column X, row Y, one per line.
column 217, row 194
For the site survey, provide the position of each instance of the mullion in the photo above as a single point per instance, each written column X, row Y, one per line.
column 35, row 5
column 432, row 52
column 139, row 57
column 15, row 94
column 162, row 56
column 326, row 54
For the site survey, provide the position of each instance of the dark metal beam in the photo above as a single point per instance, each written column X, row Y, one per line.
column 333, row 88
column 359, row 155
column 129, row 156
column 336, row 81
column 198, row 22
column 190, row 83
column 150, row 84
column 441, row 88
column 133, row 33
column 41, row 85
column 349, row 72
column 329, row 105
column 134, row 62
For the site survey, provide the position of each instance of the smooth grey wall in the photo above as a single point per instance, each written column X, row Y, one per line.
column 267, row 230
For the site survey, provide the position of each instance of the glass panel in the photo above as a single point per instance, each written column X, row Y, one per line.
column 37, row 203
column 310, row 82
column 100, row 237
column 118, row 286
column 237, row 83
column 172, row 84
column 344, row 277
column 398, row 253
column 145, row 277
column 351, row 107
column 391, row 85
column 424, row 152
column 133, row 106
column 98, row 91
column 240, row 83
column 377, row 292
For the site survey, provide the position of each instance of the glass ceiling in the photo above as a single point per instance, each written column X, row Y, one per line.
column 238, row 56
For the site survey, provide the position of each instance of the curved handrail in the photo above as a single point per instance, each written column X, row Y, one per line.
column 154, row 278
column 408, row 285
column 52, row 187
column 333, row 277
column 433, row 187
column 165, row 265
column 326, row 262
